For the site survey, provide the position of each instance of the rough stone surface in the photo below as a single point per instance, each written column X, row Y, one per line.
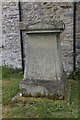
column 78, row 35
column 44, row 72
column 43, row 54
column 42, row 87
column 34, row 12
column 11, row 48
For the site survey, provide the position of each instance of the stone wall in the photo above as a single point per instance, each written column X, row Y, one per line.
column 0, row 34
column 11, row 37
column 78, row 35
column 31, row 13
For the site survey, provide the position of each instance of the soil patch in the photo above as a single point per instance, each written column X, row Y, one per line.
column 4, row 82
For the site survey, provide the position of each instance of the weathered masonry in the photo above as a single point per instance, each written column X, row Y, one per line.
column 44, row 72
column 35, row 12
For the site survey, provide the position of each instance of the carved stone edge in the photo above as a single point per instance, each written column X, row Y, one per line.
column 42, row 26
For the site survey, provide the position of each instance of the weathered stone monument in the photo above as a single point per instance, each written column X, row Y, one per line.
column 44, row 74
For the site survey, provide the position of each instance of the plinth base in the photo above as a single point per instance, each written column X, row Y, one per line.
column 43, row 88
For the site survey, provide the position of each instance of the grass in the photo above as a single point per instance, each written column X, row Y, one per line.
column 75, row 75
column 0, row 93
column 30, row 107
column 10, row 87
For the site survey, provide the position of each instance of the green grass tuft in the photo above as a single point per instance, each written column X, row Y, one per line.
column 11, row 78
column 75, row 75
column 10, row 73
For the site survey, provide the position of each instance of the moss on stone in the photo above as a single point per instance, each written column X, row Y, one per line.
column 39, row 95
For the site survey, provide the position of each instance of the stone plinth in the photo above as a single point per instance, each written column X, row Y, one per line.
column 44, row 74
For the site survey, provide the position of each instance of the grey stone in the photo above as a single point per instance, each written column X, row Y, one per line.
column 44, row 72
column 35, row 12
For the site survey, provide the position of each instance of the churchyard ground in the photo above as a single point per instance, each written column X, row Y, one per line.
column 30, row 107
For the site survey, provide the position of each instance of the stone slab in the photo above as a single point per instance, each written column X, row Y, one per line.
column 44, row 59
column 35, row 87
